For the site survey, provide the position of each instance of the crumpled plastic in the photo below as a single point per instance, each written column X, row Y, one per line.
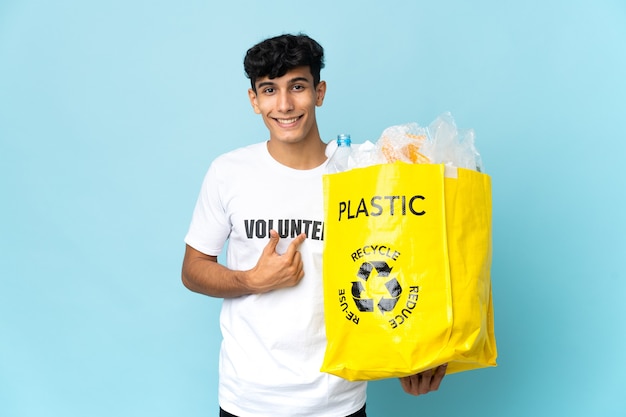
column 439, row 143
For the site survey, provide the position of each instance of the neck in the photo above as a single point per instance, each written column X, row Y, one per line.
column 299, row 155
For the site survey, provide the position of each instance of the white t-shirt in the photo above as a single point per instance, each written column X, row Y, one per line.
column 273, row 344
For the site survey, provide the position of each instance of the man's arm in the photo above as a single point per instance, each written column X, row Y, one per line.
column 202, row 273
column 424, row 382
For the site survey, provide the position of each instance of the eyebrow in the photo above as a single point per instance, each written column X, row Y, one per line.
column 291, row 81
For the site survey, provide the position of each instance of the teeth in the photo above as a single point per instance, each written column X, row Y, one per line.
column 287, row 121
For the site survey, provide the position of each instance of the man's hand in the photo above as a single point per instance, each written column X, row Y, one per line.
column 424, row 382
column 273, row 270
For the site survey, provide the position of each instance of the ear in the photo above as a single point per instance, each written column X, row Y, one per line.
column 320, row 92
column 253, row 101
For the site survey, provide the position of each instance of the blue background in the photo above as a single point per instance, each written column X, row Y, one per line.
column 111, row 111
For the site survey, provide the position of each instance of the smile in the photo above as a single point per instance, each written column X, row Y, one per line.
column 287, row 121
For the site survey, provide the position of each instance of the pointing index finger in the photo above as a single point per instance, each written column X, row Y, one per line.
column 293, row 246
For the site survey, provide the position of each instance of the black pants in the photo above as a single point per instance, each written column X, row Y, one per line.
column 360, row 413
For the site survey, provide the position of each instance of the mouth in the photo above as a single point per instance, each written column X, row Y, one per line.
column 287, row 122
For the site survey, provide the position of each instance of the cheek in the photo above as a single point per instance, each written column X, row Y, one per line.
column 264, row 106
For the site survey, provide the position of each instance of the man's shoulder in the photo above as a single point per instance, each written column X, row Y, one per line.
column 243, row 154
column 247, row 155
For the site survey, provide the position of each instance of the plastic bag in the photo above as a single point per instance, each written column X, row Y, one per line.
column 406, row 272
column 407, row 256
column 439, row 143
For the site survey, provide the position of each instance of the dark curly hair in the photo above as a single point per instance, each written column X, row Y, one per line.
column 275, row 56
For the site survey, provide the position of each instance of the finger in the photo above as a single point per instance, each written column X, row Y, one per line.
column 273, row 242
column 424, row 381
column 438, row 377
column 299, row 264
column 295, row 244
column 410, row 384
column 407, row 384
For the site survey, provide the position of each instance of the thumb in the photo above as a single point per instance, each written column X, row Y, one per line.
column 273, row 242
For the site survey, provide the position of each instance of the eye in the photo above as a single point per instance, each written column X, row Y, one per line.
column 268, row 90
column 298, row 87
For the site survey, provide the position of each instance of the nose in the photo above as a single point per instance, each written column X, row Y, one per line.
column 285, row 102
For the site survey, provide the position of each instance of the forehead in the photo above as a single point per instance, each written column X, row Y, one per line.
column 297, row 74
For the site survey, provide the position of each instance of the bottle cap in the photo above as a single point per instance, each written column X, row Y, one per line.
column 343, row 139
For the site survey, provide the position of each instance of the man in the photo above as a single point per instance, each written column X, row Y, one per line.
column 266, row 200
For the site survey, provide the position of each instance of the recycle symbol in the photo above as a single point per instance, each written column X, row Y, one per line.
column 371, row 273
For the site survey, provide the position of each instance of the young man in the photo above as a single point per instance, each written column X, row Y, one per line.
column 266, row 199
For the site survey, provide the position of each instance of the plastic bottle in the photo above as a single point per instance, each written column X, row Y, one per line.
column 339, row 161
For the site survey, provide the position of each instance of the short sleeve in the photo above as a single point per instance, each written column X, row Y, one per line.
column 210, row 224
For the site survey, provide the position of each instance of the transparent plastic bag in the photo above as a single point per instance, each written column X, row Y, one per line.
column 403, row 143
column 450, row 146
column 439, row 143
